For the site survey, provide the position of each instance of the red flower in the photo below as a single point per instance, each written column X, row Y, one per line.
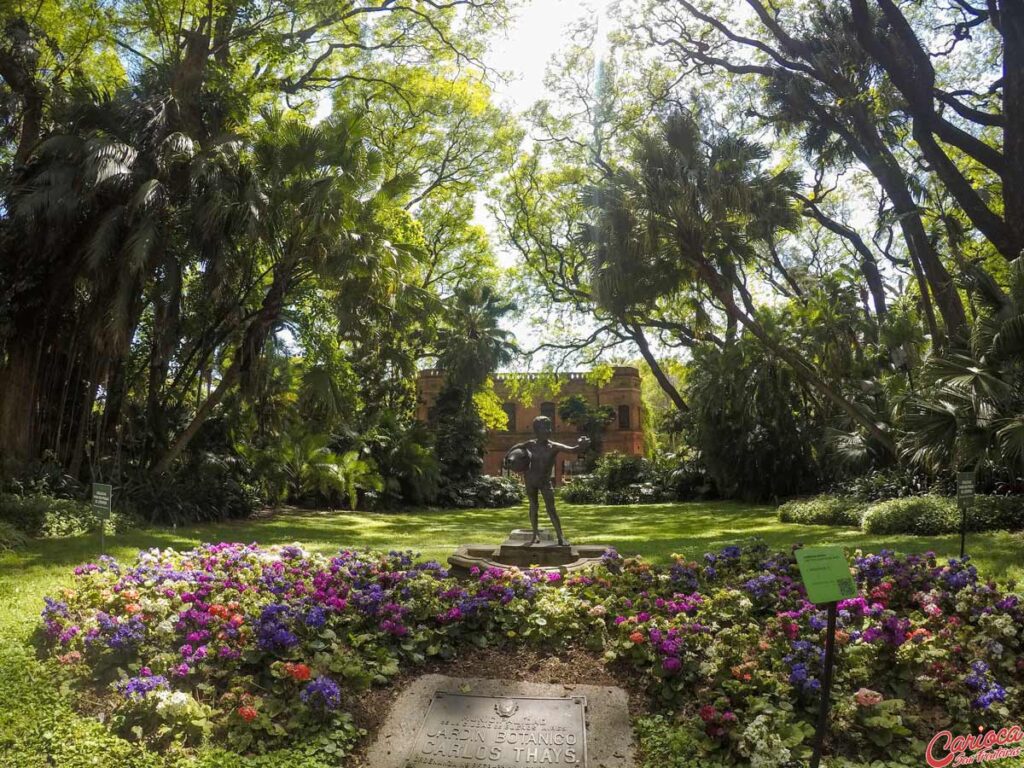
column 708, row 713
column 248, row 714
column 298, row 671
column 637, row 637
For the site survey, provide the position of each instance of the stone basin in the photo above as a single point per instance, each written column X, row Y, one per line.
column 517, row 552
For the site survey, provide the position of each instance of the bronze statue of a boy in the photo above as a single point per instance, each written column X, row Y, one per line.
column 537, row 474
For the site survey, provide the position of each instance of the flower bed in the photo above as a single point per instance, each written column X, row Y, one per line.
column 259, row 648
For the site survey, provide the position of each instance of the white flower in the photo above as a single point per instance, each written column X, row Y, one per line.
column 172, row 703
column 762, row 745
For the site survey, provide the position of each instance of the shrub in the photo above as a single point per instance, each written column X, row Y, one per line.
column 208, row 488
column 622, row 479
column 823, row 510
column 918, row 515
column 44, row 516
column 11, row 537
column 44, row 477
column 681, row 477
column 885, row 484
column 996, row 513
column 484, row 491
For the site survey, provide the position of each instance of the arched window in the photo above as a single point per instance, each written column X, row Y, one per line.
column 548, row 409
column 510, row 412
column 624, row 417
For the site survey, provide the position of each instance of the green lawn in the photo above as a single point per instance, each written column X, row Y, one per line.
column 42, row 718
column 654, row 531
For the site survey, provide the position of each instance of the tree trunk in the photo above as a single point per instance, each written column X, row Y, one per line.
column 18, row 390
column 868, row 263
column 1011, row 26
column 947, row 299
column 84, row 423
column 253, row 342
column 637, row 334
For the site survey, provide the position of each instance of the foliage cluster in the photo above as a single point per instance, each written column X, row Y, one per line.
column 214, row 297
column 622, row 479
column 813, row 201
column 483, row 492
column 38, row 516
column 823, row 510
column 264, row 648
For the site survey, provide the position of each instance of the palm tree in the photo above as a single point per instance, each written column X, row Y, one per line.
column 319, row 227
column 111, row 219
column 971, row 412
column 472, row 344
column 685, row 219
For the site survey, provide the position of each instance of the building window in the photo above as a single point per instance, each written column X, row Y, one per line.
column 548, row 409
column 510, row 412
column 624, row 417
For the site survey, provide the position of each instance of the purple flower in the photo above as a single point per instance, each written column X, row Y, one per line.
column 137, row 688
column 322, row 694
column 272, row 631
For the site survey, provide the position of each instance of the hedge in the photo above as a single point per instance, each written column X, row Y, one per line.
column 915, row 515
column 823, row 510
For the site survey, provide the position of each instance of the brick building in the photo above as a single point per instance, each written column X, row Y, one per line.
column 621, row 392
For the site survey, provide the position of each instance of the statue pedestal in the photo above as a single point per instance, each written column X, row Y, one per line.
column 517, row 552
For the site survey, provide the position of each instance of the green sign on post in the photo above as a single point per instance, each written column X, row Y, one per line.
column 825, row 574
column 101, row 494
column 101, row 497
column 965, row 488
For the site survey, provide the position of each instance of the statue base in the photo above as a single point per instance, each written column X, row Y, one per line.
column 517, row 551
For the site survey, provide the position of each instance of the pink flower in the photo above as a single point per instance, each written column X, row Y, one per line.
column 865, row 697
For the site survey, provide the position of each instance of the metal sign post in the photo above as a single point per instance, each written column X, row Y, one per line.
column 964, row 500
column 826, row 685
column 101, row 497
column 826, row 577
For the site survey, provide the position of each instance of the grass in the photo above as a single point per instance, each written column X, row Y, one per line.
column 40, row 718
column 654, row 531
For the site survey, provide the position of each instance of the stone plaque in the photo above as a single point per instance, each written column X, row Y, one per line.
column 474, row 731
column 397, row 742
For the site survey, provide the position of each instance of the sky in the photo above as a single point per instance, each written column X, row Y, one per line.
column 541, row 28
